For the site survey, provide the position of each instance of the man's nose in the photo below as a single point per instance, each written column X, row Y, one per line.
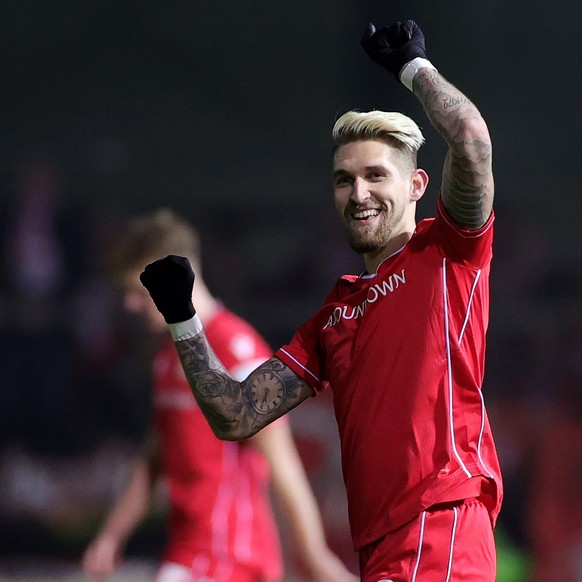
column 360, row 191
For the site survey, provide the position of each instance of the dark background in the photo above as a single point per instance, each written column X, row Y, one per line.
column 223, row 111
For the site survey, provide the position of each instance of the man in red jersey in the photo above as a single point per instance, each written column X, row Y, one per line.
column 402, row 345
column 221, row 526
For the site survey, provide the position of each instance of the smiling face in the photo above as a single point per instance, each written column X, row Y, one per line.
column 376, row 189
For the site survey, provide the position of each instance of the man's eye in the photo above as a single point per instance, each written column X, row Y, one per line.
column 343, row 180
column 375, row 176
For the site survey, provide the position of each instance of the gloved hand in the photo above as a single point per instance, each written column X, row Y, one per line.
column 395, row 45
column 170, row 282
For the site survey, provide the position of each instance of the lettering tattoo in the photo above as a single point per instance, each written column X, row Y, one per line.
column 467, row 183
column 449, row 101
column 237, row 410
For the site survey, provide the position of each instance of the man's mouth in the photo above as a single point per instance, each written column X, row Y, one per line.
column 365, row 214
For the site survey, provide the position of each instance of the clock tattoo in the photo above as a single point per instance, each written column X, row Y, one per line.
column 267, row 392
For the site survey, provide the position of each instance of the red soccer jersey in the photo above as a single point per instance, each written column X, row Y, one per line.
column 219, row 499
column 403, row 351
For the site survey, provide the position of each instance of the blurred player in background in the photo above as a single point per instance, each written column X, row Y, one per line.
column 221, row 525
column 402, row 345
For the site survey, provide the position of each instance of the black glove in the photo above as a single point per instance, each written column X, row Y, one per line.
column 395, row 45
column 170, row 282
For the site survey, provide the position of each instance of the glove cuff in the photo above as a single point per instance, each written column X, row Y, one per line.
column 410, row 69
column 185, row 329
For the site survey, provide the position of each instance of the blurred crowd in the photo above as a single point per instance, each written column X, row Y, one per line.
column 74, row 377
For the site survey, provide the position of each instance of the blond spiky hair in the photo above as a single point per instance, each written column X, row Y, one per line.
column 391, row 127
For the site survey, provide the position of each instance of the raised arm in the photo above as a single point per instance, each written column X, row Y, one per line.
column 235, row 410
column 467, row 182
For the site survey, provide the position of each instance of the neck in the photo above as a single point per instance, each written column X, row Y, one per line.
column 372, row 260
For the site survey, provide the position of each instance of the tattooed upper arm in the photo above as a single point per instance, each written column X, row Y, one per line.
column 467, row 182
column 272, row 390
column 236, row 410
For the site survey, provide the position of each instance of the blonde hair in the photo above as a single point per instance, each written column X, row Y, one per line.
column 153, row 236
column 392, row 128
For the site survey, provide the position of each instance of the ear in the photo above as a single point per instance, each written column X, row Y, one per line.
column 419, row 184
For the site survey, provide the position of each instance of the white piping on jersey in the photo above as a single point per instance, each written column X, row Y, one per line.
column 463, row 232
column 301, row 365
column 477, row 276
column 481, row 433
column 365, row 275
column 450, row 369
column 419, row 551
column 224, row 500
column 452, row 544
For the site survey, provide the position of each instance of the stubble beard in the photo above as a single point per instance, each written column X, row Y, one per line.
column 371, row 239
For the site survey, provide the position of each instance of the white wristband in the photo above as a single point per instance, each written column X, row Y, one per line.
column 411, row 68
column 185, row 329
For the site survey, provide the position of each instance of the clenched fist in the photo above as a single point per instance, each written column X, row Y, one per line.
column 395, row 45
column 169, row 282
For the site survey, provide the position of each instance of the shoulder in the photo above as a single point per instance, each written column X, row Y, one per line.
column 471, row 247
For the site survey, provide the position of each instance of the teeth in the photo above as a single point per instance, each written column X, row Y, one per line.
column 366, row 213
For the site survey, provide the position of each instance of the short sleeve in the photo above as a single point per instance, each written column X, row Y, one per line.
column 462, row 245
column 303, row 355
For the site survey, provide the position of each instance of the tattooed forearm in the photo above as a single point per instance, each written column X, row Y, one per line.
column 235, row 409
column 467, row 187
column 443, row 102
column 217, row 394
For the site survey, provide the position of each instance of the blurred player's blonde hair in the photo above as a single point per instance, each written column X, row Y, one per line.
column 153, row 236
column 393, row 128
